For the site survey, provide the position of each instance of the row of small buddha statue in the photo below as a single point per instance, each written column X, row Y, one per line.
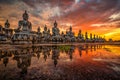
column 25, row 34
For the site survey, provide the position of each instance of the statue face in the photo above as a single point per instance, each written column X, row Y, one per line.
column 70, row 29
column 45, row 28
column 38, row 29
column 7, row 25
column 80, row 31
column 55, row 25
column 25, row 17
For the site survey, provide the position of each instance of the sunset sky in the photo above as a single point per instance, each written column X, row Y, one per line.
column 100, row 17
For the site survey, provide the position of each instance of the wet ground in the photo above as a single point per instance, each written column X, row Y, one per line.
column 62, row 62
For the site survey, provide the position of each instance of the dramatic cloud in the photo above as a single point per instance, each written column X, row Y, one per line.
column 115, row 17
column 95, row 16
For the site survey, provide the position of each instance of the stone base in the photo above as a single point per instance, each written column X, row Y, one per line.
column 5, row 42
column 57, row 38
column 23, row 38
column 21, row 42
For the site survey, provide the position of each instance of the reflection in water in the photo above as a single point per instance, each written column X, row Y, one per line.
column 23, row 55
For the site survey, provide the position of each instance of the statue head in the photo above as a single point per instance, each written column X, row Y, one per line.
column 7, row 24
column 62, row 32
column 38, row 29
column 7, row 21
column 45, row 28
column 70, row 28
column 86, row 33
column 91, row 35
column 79, row 31
column 25, row 15
column 48, row 30
column 94, row 36
column 55, row 24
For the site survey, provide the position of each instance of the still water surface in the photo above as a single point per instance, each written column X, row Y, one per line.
column 65, row 62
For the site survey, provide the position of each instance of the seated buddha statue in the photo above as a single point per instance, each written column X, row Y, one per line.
column 56, row 33
column 39, row 34
column 71, row 35
column 45, row 33
column 24, row 34
column 49, row 35
column 24, row 25
column 91, row 37
column 86, row 37
column 55, row 30
column 80, row 36
column 8, row 31
column 63, row 36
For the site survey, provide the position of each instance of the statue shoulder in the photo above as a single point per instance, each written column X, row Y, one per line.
column 43, row 32
column 57, row 28
column 21, row 21
column 30, row 23
column 53, row 28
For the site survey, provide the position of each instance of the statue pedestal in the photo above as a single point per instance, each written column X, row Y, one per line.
column 80, row 39
column 23, row 37
column 57, row 38
column 3, row 37
column 70, row 39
